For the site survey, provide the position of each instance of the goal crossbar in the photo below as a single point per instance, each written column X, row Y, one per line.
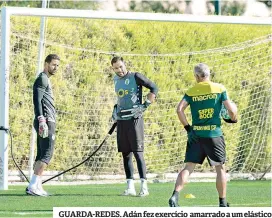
column 140, row 16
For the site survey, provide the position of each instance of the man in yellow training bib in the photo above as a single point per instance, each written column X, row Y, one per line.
column 205, row 138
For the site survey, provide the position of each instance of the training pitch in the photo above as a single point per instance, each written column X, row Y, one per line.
column 15, row 203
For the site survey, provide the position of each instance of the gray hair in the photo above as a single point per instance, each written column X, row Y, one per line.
column 202, row 70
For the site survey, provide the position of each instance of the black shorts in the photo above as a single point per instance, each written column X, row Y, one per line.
column 130, row 135
column 45, row 146
column 212, row 148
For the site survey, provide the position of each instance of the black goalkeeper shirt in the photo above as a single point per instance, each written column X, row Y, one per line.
column 43, row 98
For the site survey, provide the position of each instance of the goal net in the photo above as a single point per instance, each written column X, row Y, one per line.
column 166, row 52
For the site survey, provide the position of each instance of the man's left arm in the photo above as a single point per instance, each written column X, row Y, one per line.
column 143, row 81
column 232, row 109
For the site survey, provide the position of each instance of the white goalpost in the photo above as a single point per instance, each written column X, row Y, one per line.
column 86, row 40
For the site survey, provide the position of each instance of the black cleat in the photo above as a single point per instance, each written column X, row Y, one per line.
column 224, row 205
column 173, row 201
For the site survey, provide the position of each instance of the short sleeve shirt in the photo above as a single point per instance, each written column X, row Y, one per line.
column 205, row 100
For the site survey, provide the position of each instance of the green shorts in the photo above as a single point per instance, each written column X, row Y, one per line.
column 212, row 148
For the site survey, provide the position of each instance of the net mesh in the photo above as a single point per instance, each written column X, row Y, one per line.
column 239, row 57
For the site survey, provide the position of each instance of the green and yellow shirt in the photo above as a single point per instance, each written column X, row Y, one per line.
column 205, row 100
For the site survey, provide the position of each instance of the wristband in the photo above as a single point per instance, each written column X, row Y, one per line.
column 41, row 118
column 187, row 128
column 230, row 121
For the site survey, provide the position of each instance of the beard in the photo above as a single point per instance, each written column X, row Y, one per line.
column 52, row 72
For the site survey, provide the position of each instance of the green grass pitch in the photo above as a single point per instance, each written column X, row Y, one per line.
column 15, row 203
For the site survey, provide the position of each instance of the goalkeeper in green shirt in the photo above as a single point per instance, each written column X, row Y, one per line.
column 128, row 113
column 205, row 138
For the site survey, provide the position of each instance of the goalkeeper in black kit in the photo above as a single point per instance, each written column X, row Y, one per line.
column 128, row 113
column 44, row 123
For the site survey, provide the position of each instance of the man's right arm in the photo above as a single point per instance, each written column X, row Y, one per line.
column 38, row 92
column 39, row 88
column 183, row 104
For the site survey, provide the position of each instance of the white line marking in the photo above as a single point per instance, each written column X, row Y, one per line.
column 231, row 205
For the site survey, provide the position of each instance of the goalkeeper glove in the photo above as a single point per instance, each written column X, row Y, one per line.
column 114, row 115
column 43, row 128
column 192, row 137
column 137, row 110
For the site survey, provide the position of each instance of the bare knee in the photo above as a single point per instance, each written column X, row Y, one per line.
column 189, row 166
column 220, row 170
column 39, row 168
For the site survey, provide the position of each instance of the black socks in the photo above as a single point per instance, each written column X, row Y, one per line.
column 222, row 202
column 176, row 194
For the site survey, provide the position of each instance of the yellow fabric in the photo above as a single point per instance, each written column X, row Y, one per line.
column 204, row 88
